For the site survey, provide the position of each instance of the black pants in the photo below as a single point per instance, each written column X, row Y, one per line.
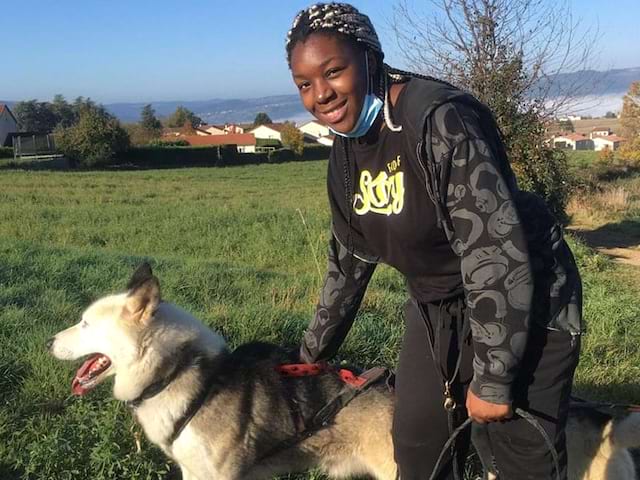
column 421, row 425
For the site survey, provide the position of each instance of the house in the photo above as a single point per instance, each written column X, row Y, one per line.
column 319, row 132
column 271, row 131
column 573, row 141
column 245, row 142
column 213, row 129
column 202, row 131
column 611, row 141
column 600, row 132
column 315, row 129
column 233, row 128
column 8, row 124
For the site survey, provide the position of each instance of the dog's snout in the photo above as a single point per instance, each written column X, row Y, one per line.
column 49, row 343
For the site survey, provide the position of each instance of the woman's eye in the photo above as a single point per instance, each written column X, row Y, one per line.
column 303, row 86
column 333, row 72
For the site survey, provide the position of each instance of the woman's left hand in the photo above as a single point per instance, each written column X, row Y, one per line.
column 482, row 411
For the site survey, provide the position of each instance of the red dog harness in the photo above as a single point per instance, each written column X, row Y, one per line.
column 311, row 369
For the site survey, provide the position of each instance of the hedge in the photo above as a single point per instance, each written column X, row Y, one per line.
column 172, row 157
column 6, row 152
column 217, row 156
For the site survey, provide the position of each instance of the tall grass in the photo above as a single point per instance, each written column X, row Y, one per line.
column 228, row 245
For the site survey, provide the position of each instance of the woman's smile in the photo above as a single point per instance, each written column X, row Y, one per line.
column 333, row 115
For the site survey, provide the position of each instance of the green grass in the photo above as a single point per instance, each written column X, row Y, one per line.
column 244, row 249
column 581, row 159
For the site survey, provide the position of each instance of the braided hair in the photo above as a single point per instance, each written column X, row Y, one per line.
column 346, row 21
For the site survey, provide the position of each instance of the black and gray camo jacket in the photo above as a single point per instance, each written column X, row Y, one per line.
column 504, row 262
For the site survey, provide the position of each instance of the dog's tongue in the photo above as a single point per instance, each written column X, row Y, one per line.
column 92, row 367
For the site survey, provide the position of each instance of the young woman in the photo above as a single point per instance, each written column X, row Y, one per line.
column 418, row 179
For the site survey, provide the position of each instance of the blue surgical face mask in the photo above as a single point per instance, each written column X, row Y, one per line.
column 370, row 108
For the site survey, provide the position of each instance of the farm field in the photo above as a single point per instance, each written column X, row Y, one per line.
column 587, row 125
column 243, row 248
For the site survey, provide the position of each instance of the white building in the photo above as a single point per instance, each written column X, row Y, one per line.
column 210, row 130
column 271, row 131
column 319, row 132
column 8, row 123
column 600, row 132
column 612, row 142
column 573, row 141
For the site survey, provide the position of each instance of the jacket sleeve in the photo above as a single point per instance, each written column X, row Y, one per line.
column 344, row 286
column 487, row 235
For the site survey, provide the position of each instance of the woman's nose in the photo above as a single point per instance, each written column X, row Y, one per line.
column 323, row 93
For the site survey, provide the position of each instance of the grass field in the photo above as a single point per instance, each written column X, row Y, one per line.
column 242, row 248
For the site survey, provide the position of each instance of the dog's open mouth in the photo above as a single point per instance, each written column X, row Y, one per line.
column 90, row 374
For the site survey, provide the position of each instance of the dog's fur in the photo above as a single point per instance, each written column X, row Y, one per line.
column 250, row 408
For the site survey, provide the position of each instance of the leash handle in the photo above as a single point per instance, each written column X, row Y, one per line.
column 521, row 413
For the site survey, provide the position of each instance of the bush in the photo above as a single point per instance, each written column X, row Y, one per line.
column 178, row 142
column 629, row 152
column 606, row 158
column 544, row 171
column 281, row 155
column 6, row 152
column 95, row 140
column 316, row 152
column 268, row 142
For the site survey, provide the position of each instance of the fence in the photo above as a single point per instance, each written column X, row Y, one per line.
column 34, row 145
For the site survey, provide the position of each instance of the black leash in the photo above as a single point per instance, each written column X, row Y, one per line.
column 521, row 413
column 462, row 330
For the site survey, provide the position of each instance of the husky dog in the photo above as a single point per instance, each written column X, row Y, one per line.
column 231, row 415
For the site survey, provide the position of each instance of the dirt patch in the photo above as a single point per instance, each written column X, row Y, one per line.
column 621, row 244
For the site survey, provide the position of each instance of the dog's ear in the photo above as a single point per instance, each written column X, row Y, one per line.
column 141, row 275
column 144, row 294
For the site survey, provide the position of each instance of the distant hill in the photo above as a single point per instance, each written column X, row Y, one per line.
column 610, row 82
column 611, row 85
column 279, row 107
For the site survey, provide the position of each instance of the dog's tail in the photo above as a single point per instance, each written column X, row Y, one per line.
column 625, row 432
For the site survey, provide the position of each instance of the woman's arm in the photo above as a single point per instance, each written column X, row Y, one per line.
column 488, row 237
column 344, row 286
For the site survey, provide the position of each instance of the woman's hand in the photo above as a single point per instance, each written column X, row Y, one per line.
column 482, row 411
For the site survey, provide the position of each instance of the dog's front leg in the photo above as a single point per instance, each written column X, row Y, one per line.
column 187, row 475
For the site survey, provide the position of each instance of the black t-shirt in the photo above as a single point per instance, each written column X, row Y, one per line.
column 392, row 216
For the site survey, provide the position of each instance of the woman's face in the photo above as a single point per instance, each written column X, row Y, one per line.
column 330, row 74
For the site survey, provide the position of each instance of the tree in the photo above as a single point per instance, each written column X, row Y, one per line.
column 610, row 115
column 63, row 111
column 34, row 116
column 506, row 53
column 182, row 115
column 630, row 122
column 148, row 120
column 292, row 138
column 262, row 119
column 498, row 47
column 95, row 139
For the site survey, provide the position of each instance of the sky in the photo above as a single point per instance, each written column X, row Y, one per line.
column 143, row 50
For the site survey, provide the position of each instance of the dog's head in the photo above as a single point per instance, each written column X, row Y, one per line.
column 129, row 335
